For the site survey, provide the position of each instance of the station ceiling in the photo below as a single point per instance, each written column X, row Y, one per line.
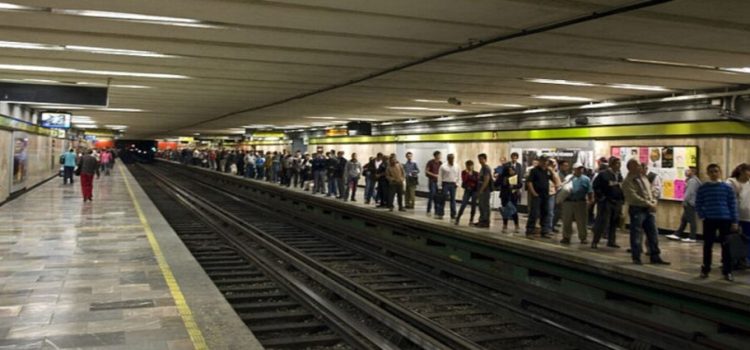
column 210, row 66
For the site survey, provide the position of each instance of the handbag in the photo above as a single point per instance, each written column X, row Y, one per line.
column 78, row 171
column 509, row 210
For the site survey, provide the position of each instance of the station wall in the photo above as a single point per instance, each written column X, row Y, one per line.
column 26, row 159
column 725, row 151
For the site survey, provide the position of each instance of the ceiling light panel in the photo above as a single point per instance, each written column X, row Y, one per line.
column 562, row 98
column 29, row 68
column 449, row 110
column 124, row 16
column 588, row 84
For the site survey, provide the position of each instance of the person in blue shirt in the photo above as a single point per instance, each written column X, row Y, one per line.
column 260, row 163
column 716, row 205
column 69, row 164
column 575, row 205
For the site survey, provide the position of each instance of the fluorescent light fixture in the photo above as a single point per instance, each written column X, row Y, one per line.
column 28, row 46
column 8, row 6
column 411, row 121
column 670, row 63
column 536, row 110
column 46, row 81
column 492, row 104
column 636, row 87
column 684, row 97
column 363, row 119
column 130, row 86
column 123, row 110
column 29, row 68
column 85, row 126
column 446, row 118
column 326, row 118
column 484, row 115
column 599, row 105
column 558, row 82
column 110, row 51
column 84, row 121
column 737, row 70
column 588, row 84
column 56, row 107
column 562, row 98
column 449, row 110
column 116, row 126
column 430, row 101
column 386, row 123
column 124, row 16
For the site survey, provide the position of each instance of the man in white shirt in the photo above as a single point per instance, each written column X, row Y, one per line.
column 449, row 182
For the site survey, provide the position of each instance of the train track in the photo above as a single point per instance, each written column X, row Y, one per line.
column 296, row 286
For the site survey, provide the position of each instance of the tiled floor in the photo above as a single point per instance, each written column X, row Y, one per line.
column 83, row 275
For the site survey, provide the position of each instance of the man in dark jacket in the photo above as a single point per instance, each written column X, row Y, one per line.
column 339, row 174
column 318, row 166
column 609, row 201
column 331, row 165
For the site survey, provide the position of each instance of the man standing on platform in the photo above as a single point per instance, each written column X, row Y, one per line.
column 485, row 179
column 340, row 175
column 412, row 180
column 448, row 182
column 318, row 166
column 538, row 185
column 432, row 171
column 641, row 208
column 609, row 199
column 688, row 207
column 576, row 205
column 395, row 176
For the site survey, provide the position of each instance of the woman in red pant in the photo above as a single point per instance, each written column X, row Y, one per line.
column 88, row 166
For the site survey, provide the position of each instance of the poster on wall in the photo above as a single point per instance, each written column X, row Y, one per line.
column 20, row 160
column 668, row 162
column 422, row 153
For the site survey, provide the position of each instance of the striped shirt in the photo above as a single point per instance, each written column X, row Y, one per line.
column 716, row 200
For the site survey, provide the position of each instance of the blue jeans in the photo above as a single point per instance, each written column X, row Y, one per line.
column 449, row 189
column 469, row 198
column 642, row 219
column 369, row 188
column 275, row 170
column 250, row 171
column 549, row 220
column 432, row 185
column 538, row 211
column 332, row 186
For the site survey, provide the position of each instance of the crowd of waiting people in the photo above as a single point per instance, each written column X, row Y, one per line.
column 556, row 191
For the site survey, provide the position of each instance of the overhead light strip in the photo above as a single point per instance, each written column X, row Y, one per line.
column 29, row 68
column 605, row 85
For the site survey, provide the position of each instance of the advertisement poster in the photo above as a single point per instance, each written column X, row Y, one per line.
column 669, row 163
column 572, row 155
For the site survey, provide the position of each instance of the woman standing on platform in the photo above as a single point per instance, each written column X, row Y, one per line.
column 510, row 192
column 740, row 182
column 717, row 207
column 470, row 184
column 88, row 166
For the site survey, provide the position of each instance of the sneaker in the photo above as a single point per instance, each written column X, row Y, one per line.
column 729, row 277
column 660, row 262
column 673, row 237
column 704, row 274
column 637, row 262
column 688, row 240
column 565, row 241
column 401, row 209
column 504, row 230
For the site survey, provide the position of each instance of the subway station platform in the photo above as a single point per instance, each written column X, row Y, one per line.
column 107, row 274
column 685, row 258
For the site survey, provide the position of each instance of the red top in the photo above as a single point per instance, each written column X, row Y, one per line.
column 433, row 166
column 470, row 180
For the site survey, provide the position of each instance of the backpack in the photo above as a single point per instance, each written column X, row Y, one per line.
column 62, row 159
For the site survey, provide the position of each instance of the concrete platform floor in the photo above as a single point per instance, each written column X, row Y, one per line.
column 95, row 275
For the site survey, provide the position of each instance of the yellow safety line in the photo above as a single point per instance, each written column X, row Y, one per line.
column 196, row 336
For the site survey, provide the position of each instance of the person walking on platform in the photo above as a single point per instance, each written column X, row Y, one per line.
column 485, row 189
column 609, row 200
column 352, row 174
column 412, row 180
column 368, row 172
column 448, row 182
column 88, row 166
column 641, row 208
column 716, row 205
column 575, row 206
column 470, row 184
column 69, row 165
column 318, row 165
column 740, row 183
column 538, row 185
column 432, row 171
column 688, row 207
column 510, row 192
column 395, row 176
column 104, row 159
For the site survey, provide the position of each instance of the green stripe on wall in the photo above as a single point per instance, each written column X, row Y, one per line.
column 592, row 132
